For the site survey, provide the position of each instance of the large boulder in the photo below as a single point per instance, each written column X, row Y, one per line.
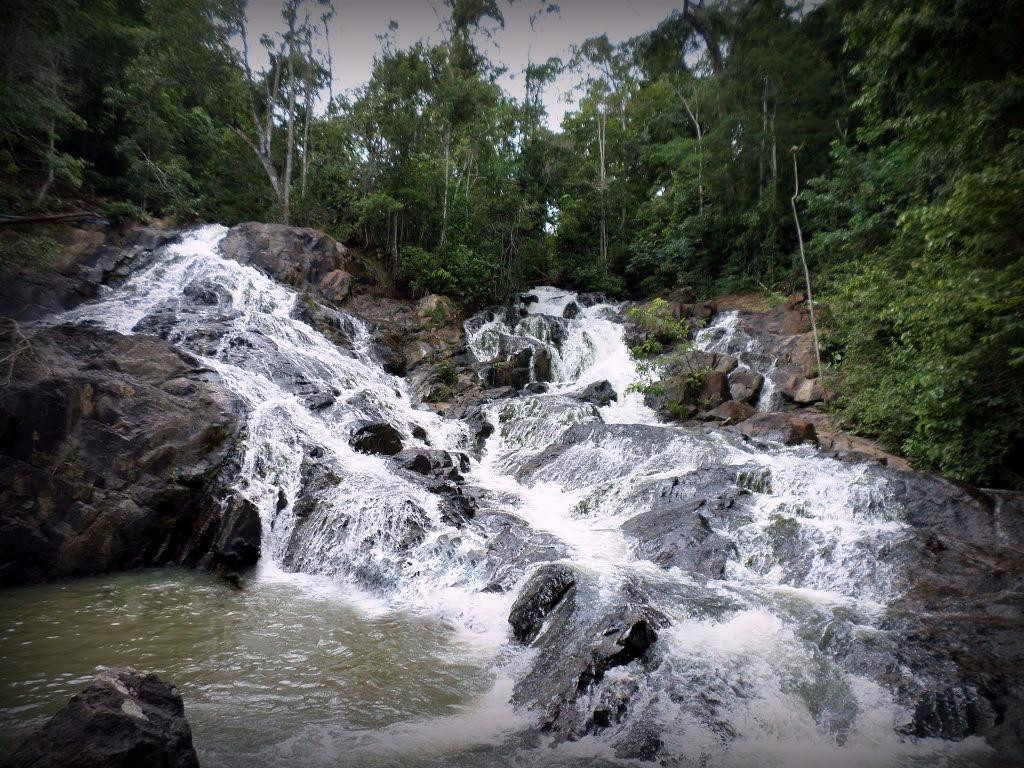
column 114, row 453
column 745, row 385
column 296, row 256
column 803, row 391
column 123, row 719
column 778, row 427
column 730, row 412
column 680, row 537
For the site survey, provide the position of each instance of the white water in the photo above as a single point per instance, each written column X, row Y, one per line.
column 748, row 639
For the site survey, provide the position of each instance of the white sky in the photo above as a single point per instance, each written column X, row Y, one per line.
column 357, row 23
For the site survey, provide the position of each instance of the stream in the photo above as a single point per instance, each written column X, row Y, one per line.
column 375, row 631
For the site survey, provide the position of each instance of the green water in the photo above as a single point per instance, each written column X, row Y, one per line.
column 276, row 674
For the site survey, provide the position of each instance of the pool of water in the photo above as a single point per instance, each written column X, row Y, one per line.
column 288, row 670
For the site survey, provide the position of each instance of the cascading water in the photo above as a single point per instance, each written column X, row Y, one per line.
column 723, row 335
column 740, row 674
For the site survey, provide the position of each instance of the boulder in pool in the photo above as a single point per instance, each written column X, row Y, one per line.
column 123, row 719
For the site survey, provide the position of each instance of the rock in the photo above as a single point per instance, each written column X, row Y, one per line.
column 600, row 393
column 571, row 311
column 93, row 259
column 123, row 719
column 379, row 438
column 542, row 370
column 528, row 298
column 777, row 427
column 538, row 597
column 714, row 390
column 437, row 308
column 432, row 461
column 680, row 537
column 745, row 385
column 296, row 256
column 239, row 537
column 335, row 285
column 803, row 391
column 730, row 412
column 114, row 453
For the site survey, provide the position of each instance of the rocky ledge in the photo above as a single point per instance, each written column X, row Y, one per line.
column 123, row 719
column 115, row 452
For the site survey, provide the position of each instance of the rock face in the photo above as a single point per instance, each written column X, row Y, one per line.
column 90, row 263
column 295, row 256
column 123, row 719
column 112, row 450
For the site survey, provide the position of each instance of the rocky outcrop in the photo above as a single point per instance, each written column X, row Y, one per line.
column 112, row 450
column 101, row 258
column 295, row 256
column 802, row 390
column 123, row 719
column 745, row 385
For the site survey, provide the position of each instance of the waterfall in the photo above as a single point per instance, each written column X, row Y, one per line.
column 741, row 673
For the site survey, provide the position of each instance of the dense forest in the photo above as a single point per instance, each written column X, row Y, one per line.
column 890, row 133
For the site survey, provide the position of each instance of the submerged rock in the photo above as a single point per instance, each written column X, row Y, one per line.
column 123, row 719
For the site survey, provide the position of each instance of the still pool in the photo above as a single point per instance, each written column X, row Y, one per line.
column 283, row 672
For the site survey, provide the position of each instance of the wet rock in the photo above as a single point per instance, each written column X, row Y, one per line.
column 803, row 391
column 123, row 719
column 296, row 256
column 680, row 537
column 240, row 532
column 538, row 597
column 528, row 298
column 513, row 548
column 434, row 462
column 380, row 438
column 600, row 393
column 571, row 311
column 336, row 326
column 568, row 680
column 778, row 427
column 745, row 385
column 114, row 451
column 729, row 412
column 542, row 370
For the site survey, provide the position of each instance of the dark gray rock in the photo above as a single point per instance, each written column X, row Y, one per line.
column 380, row 438
column 571, row 311
column 123, row 719
column 681, row 537
column 600, row 393
column 745, row 385
column 79, row 275
column 538, row 597
column 114, row 452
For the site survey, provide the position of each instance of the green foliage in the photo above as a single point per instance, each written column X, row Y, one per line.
column 655, row 318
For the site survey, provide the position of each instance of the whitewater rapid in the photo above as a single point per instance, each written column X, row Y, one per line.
column 749, row 640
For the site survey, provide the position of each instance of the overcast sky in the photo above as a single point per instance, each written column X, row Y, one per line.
column 357, row 24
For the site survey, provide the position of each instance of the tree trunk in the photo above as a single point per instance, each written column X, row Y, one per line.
column 803, row 260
